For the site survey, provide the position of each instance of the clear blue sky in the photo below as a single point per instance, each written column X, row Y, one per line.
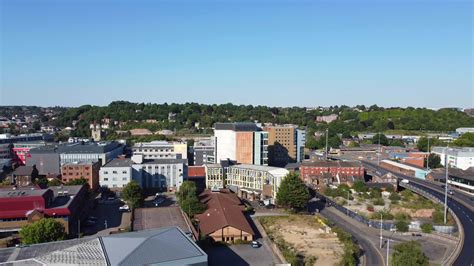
column 277, row 53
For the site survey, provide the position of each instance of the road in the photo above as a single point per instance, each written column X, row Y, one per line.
column 371, row 255
column 465, row 214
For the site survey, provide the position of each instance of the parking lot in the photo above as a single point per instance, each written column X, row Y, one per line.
column 109, row 218
column 237, row 255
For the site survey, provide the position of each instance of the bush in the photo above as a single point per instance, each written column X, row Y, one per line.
column 438, row 217
column 370, row 208
column 394, row 196
column 386, row 215
column 44, row 230
column 427, row 228
column 378, row 202
column 402, row 216
column 402, row 226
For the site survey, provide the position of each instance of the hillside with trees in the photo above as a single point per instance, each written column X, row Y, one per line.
column 192, row 118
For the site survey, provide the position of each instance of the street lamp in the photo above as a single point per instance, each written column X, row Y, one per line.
column 327, row 133
column 388, row 250
column 381, row 228
column 428, row 157
column 446, row 165
column 378, row 155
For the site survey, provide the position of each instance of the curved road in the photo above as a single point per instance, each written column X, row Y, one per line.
column 465, row 214
column 371, row 254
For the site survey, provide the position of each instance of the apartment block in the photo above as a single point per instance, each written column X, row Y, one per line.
column 462, row 158
column 241, row 142
column 285, row 144
column 78, row 170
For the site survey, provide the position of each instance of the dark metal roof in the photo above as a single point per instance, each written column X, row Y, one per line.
column 89, row 147
column 238, row 126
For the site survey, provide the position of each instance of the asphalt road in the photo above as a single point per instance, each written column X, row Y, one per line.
column 371, row 254
column 465, row 214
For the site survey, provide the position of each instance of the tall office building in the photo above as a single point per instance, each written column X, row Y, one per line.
column 285, row 144
column 241, row 142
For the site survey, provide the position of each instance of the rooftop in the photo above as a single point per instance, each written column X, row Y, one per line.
column 158, row 246
column 323, row 163
column 223, row 209
column 89, row 147
column 164, row 161
column 119, row 162
column 238, row 126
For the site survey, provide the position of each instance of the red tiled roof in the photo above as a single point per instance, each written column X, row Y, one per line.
column 223, row 209
column 196, row 171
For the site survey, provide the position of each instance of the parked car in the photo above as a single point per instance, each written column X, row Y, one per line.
column 90, row 222
column 270, row 206
column 256, row 244
column 124, row 208
column 405, row 181
column 450, row 192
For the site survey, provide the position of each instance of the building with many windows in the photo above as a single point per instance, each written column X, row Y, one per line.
column 241, row 142
column 88, row 171
column 203, row 151
column 247, row 180
column 462, row 158
column 161, row 150
column 164, row 174
column 118, row 173
column 255, row 182
column 89, row 152
column 285, row 144
column 322, row 173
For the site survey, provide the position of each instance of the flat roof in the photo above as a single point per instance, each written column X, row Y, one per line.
column 237, row 126
column 404, row 166
column 119, row 162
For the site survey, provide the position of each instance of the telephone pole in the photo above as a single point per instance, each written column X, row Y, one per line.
column 381, row 228
column 446, row 165
column 428, row 157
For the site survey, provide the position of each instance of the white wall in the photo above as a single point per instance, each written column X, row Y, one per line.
column 115, row 177
column 225, row 145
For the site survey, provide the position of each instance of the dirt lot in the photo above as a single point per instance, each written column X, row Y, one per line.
column 306, row 236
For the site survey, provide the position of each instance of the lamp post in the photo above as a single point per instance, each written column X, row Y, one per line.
column 327, row 133
column 388, row 250
column 381, row 229
column 378, row 155
column 446, row 165
column 428, row 157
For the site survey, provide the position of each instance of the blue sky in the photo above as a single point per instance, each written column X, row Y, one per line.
column 277, row 53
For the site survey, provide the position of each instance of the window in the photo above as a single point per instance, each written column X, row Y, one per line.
column 106, row 173
column 124, row 179
column 106, row 179
column 124, row 172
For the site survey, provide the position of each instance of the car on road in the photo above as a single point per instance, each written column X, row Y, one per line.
column 405, row 181
column 92, row 218
column 450, row 192
column 256, row 244
column 124, row 208
column 158, row 201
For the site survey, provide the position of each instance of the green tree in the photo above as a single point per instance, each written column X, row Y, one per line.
column 359, row 186
column 465, row 140
column 44, row 230
column 383, row 139
column 188, row 200
column 77, row 182
column 409, row 254
column 397, row 142
column 426, row 228
column 36, row 125
column 54, row 182
column 132, row 193
column 434, row 161
column 402, row 226
column 292, row 193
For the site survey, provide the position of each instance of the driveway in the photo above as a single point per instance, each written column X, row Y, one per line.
column 109, row 218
